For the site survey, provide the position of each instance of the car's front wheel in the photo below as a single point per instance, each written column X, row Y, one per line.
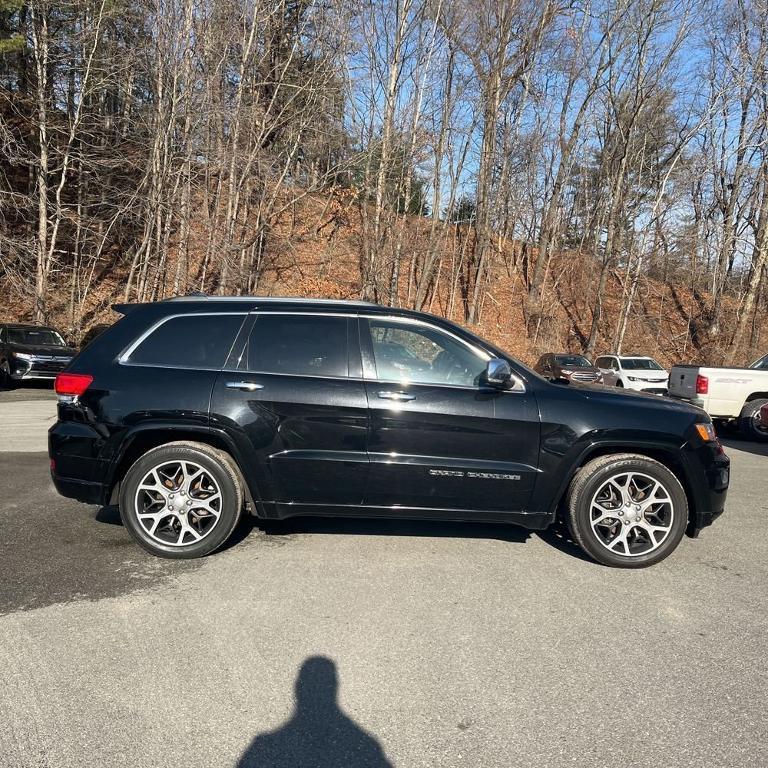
column 181, row 500
column 627, row 510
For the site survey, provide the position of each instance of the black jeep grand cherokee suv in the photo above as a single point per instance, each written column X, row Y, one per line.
column 190, row 410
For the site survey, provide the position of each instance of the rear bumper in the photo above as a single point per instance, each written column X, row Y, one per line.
column 77, row 470
column 697, row 401
column 82, row 490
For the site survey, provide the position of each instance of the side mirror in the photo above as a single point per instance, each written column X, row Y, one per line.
column 498, row 373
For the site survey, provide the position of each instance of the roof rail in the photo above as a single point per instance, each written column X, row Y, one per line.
column 271, row 299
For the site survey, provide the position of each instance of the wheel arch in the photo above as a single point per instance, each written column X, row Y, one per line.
column 664, row 454
column 146, row 437
column 756, row 396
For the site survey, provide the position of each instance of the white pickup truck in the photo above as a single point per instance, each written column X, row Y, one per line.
column 728, row 394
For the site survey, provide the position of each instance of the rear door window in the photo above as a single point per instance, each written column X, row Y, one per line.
column 189, row 341
column 300, row 345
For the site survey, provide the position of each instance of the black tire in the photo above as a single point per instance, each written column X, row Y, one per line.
column 749, row 426
column 221, row 473
column 6, row 382
column 592, row 478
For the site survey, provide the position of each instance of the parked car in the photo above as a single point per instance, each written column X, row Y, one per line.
column 31, row 352
column 191, row 410
column 568, row 368
column 643, row 374
column 92, row 333
column 733, row 395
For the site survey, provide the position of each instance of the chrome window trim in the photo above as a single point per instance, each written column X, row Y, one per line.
column 124, row 358
column 246, row 372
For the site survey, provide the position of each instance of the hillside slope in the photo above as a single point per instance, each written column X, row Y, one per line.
column 317, row 254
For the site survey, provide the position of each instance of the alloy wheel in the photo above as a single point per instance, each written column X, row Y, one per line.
column 178, row 503
column 631, row 514
column 757, row 423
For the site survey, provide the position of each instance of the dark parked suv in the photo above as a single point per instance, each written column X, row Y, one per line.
column 31, row 352
column 192, row 410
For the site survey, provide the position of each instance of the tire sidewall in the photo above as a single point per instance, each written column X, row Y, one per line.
column 230, row 508
column 5, row 375
column 747, row 421
column 588, row 539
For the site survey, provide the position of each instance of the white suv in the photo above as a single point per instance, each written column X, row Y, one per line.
column 642, row 374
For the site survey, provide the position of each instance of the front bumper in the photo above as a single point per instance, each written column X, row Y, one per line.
column 650, row 387
column 709, row 474
column 26, row 370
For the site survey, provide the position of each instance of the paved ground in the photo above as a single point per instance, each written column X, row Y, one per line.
column 400, row 644
column 26, row 415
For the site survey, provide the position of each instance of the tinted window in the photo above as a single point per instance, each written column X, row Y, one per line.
column 308, row 345
column 43, row 336
column 573, row 360
column 760, row 364
column 423, row 355
column 192, row 341
column 640, row 364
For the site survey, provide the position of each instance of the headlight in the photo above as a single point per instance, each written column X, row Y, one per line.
column 23, row 356
column 633, row 378
column 706, row 432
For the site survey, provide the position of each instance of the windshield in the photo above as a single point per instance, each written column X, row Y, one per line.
column 41, row 336
column 640, row 364
column 576, row 361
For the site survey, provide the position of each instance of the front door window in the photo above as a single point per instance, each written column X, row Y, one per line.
column 412, row 354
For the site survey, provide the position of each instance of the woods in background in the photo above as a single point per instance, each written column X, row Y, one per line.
column 169, row 143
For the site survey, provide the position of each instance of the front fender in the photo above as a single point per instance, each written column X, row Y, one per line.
column 560, row 460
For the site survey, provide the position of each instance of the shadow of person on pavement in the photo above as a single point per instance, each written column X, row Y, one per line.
column 319, row 734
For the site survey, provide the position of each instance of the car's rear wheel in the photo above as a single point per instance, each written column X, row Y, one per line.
column 750, row 425
column 181, row 500
column 627, row 510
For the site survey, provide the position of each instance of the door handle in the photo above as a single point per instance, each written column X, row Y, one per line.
column 245, row 386
column 399, row 396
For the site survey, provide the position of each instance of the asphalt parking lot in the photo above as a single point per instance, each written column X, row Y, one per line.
column 365, row 643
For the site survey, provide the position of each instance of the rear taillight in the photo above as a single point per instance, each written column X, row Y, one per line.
column 702, row 385
column 72, row 384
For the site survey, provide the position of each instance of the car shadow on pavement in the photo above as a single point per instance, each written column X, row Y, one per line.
column 350, row 526
column 319, row 733
column 556, row 536
column 559, row 537
column 758, row 449
column 34, row 384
